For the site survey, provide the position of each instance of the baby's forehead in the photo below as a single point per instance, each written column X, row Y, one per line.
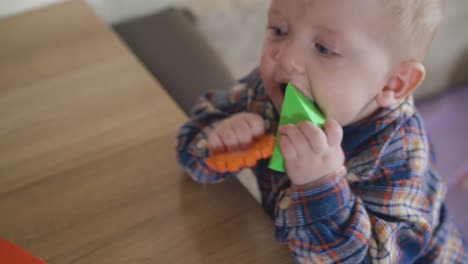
column 359, row 12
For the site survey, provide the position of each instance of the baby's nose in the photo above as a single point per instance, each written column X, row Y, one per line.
column 291, row 59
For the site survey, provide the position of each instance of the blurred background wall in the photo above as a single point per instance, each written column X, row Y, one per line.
column 113, row 11
column 233, row 27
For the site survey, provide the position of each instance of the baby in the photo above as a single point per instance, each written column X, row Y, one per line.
column 364, row 188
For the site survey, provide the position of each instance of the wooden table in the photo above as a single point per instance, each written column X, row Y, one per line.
column 87, row 161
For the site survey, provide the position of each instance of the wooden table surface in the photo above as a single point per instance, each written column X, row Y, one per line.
column 87, row 161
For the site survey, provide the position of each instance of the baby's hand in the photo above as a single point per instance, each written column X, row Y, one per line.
column 310, row 153
column 235, row 133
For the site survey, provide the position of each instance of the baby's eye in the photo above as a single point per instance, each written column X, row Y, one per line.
column 324, row 50
column 277, row 31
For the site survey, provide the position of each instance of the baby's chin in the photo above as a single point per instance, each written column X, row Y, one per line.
column 277, row 102
column 278, row 106
column 344, row 119
column 356, row 121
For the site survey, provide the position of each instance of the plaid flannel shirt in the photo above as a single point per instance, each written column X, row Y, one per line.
column 387, row 206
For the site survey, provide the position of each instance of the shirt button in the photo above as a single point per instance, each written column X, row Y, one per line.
column 285, row 203
column 201, row 144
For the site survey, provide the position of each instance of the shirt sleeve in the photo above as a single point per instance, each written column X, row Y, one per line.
column 389, row 218
column 328, row 223
column 211, row 107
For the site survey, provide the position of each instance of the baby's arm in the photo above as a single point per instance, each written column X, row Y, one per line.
column 212, row 108
column 389, row 217
column 328, row 223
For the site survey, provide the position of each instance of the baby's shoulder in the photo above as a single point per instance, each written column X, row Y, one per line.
column 410, row 145
column 400, row 151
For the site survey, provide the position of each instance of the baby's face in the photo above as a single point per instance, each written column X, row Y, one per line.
column 336, row 52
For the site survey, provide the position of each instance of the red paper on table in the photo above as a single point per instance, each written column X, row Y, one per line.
column 12, row 254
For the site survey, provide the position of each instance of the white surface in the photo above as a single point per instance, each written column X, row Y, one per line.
column 111, row 10
column 114, row 11
column 12, row 7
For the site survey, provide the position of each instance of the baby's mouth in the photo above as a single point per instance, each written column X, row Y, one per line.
column 283, row 87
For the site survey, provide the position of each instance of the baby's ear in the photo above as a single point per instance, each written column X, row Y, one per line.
column 406, row 79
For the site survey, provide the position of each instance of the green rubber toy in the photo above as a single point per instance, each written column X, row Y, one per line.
column 296, row 109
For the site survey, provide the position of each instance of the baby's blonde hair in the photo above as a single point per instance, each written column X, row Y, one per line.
column 418, row 21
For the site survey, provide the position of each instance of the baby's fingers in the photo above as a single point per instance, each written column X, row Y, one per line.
column 243, row 133
column 214, row 143
column 287, row 148
column 316, row 139
column 294, row 142
column 229, row 138
column 334, row 133
column 255, row 123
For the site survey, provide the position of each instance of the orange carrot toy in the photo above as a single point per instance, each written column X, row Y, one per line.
column 235, row 161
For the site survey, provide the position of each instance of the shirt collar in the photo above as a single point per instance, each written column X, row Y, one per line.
column 356, row 137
